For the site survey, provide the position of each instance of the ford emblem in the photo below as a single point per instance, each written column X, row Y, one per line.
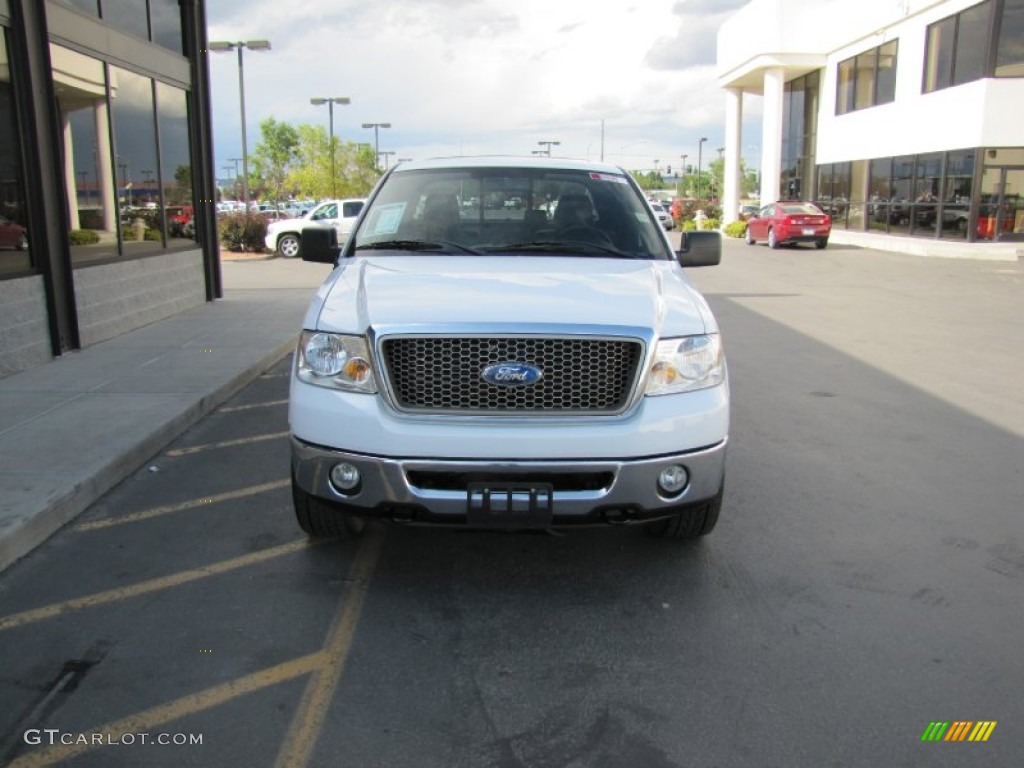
column 511, row 374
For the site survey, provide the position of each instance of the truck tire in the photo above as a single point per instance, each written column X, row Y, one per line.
column 289, row 245
column 692, row 524
column 323, row 520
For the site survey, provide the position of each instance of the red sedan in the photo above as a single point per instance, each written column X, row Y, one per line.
column 788, row 222
column 12, row 235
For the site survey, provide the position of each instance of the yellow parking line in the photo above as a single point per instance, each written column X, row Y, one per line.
column 226, row 444
column 146, row 514
column 268, row 404
column 150, row 719
column 309, row 718
column 153, row 585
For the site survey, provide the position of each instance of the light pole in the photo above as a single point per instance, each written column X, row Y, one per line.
column 221, row 46
column 549, row 145
column 376, row 139
column 682, row 176
column 386, row 155
column 330, row 101
column 700, row 151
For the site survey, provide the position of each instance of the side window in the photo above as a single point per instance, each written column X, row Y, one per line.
column 351, row 209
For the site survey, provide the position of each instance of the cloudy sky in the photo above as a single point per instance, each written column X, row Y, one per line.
column 481, row 76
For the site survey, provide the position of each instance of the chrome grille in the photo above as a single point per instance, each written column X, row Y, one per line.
column 444, row 374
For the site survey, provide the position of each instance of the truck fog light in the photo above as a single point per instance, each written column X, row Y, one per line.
column 344, row 477
column 673, row 479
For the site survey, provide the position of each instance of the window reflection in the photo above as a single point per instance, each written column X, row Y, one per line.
column 128, row 15
column 14, row 246
column 176, row 185
column 1010, row 49
column 134, row 129
column 80, row 86
column 165, row 19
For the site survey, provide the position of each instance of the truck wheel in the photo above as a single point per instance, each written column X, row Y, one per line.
column 289, row 245
column 322, row 520
column 691, row 524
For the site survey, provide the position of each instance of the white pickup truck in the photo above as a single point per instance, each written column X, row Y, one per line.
column 493, row 366
column 285, row 236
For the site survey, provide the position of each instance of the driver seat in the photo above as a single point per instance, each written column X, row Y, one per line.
column 573, row 211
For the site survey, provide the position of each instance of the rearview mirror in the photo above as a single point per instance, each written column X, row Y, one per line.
column 699, row 248
column 320, row 245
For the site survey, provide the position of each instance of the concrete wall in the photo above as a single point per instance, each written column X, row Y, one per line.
column 116, row 298
column 25, row 341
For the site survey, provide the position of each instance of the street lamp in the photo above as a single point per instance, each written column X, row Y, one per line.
column 682, row 176
column 549, row 145
column 330, row 101
column 376, row 139
column 221, row 46
column 700, row 150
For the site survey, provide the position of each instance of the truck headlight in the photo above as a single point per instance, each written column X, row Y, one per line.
column 335, row 360
column 685, row 364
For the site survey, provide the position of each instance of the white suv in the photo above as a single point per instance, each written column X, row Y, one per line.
column 495, row 367
column 285, row 237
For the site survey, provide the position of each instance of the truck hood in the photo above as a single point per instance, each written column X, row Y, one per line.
column 366, row 292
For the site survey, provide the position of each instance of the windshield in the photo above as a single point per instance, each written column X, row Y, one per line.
column 511, row 210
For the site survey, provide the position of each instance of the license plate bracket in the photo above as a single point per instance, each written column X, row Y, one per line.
column 509, row 505
column 808, row 230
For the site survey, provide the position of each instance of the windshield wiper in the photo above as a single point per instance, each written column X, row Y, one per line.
column 557, row 246
column 415, row 245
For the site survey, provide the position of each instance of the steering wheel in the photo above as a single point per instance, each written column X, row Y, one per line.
column 587, row 234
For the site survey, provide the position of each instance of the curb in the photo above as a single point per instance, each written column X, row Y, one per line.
column 24, row 535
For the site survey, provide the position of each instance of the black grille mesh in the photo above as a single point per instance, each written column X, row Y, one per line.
column 444, row 373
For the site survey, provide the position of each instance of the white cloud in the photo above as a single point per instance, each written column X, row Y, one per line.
column 476, row 76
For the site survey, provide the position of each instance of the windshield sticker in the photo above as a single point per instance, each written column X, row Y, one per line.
column 608, row 177
column 385, row 219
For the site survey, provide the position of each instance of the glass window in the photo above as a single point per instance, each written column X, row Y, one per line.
column 81, row 86
column 176, row 187
column 927, row 188
column 134, row 129
column 864, row 80
column 972, row 43
column 885, row 90
column 879, row 192
column 956, row 195
column 844, row 91
column 131, row 16
column 14, row 253
column 902, row 192
column 165, row 18
column 1010, row 49
column 938, row 72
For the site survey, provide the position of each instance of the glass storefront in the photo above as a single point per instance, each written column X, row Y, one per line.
column 126, row 197
column 929, row 195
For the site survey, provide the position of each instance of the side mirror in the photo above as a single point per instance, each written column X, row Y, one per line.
column 320, row 245
column 699, row 249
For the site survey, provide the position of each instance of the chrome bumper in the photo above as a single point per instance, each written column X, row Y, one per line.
column 440, row 491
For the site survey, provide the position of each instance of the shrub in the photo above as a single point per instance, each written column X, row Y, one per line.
column 712, row 224
column 736, row 228
column 689, row 226
column 240, row 231
column 83, row 237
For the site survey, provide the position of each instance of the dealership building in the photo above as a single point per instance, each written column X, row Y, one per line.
column 900, row 118
column 106, row 172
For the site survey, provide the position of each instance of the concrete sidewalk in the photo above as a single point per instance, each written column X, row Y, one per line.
column 73, row 428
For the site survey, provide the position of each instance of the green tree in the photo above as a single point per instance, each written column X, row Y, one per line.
column 272, row 158
column 310, row 176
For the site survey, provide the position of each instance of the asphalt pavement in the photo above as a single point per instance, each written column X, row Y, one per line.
column 73, row 428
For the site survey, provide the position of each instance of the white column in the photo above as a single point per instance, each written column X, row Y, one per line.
column 771, row 134
column 733, row 153
column 70, row 182
column 106, row 181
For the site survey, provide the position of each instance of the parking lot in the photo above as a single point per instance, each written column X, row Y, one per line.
column 865, row 579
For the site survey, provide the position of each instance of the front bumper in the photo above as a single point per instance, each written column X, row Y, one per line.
column 445, row 491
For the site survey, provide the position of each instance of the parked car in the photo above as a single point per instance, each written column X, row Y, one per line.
column 285, row 237
column 747, row 212
column 437, row 367
column 12, row 235
column 789, row 222
column 664, row 217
